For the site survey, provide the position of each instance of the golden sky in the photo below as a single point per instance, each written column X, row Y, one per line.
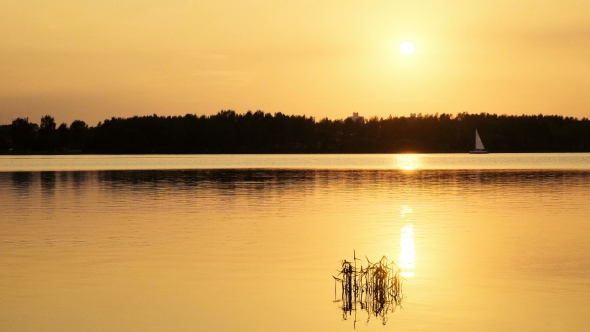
column 94, row 59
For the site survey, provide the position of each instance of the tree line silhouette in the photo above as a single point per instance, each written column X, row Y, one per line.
column 259, row 132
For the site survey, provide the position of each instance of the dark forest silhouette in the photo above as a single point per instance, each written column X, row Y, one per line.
column 259, row 132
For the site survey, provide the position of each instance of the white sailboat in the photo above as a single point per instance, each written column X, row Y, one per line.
column 479, row 149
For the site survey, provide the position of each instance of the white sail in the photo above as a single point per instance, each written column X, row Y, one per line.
column 478, row 143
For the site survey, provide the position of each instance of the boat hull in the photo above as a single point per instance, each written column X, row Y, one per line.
column 478, row 152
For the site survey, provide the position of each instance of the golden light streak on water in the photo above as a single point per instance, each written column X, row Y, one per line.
column 407, row 162
column 407, row 255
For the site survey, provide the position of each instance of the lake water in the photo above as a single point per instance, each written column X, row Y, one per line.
column 250, row 243
column 546, row 161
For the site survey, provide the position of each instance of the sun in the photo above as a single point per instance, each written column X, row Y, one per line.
column 406, row 48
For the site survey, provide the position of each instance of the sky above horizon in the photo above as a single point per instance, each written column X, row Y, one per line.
column 97, row 59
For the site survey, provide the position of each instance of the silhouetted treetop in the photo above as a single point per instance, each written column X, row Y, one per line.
column 260, row 132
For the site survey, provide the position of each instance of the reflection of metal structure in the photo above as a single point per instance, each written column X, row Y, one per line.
column 377, row 289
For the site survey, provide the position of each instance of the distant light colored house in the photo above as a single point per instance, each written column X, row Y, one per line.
column 355, row 117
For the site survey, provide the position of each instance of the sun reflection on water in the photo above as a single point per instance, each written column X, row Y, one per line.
column 407, row 254
column 408, row 162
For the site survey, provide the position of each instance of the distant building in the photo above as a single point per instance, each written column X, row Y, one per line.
column 355, row 117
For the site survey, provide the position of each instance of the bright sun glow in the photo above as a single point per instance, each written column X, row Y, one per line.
column 407, row 162
column 406, row 48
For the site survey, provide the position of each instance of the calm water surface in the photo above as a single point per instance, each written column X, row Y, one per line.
column 336, row 161
column 250, row 243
